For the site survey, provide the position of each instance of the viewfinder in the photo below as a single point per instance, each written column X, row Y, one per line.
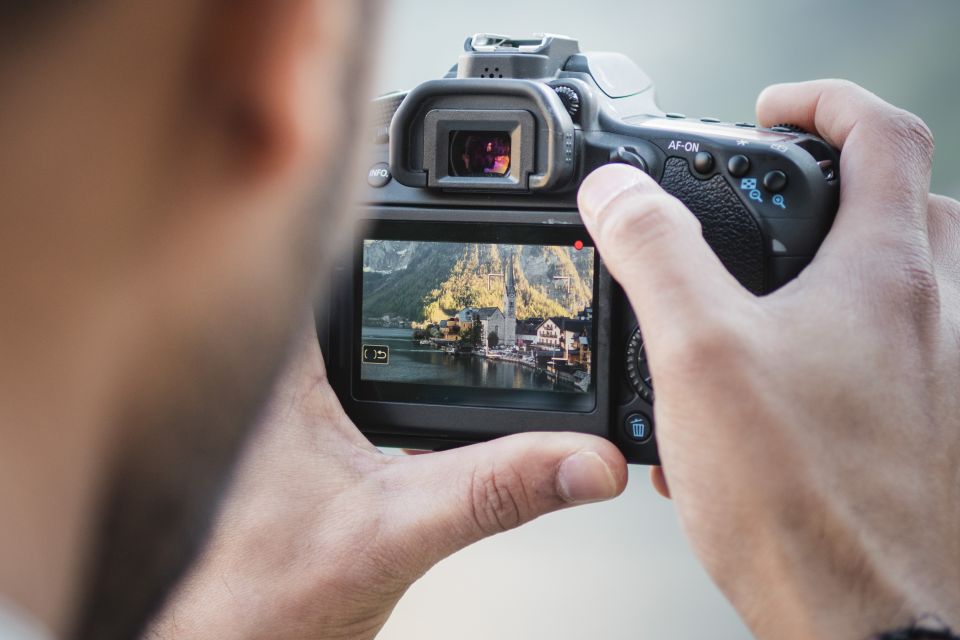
column 479, row 154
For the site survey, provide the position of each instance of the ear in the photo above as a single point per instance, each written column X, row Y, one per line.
column 271, row 73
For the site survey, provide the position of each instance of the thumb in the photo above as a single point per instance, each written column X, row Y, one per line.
column 442, row 502
column 653, row 246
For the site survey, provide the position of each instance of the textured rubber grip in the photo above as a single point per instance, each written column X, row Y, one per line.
column 728, row 227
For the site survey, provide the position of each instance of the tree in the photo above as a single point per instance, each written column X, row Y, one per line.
column 471, row 335
column 493, row 339
column 466, row 336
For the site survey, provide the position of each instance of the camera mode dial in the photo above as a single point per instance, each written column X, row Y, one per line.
column 638, row 370
column 570, row 99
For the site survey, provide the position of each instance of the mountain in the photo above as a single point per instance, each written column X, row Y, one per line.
column 430, row 281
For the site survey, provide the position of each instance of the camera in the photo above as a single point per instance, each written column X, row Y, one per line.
column 471, row 303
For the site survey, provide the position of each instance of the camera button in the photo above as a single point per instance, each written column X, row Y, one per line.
column 630, row 156
column 738, row 166
column 379, row 175
column 746, row 125
column 775, row 181
column 638, row 428
column 710, row 120
column 703, row 162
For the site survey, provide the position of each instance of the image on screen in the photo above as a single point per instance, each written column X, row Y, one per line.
column 510, row 317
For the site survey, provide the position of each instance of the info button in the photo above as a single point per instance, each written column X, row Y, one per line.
column 379, row 175
column 639, row 428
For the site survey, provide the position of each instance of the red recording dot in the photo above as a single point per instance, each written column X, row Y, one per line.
column 578, row 245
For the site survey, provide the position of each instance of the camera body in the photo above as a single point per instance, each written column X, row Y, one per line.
column 471, row 304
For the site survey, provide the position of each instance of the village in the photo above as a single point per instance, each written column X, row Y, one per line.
column 559, row 347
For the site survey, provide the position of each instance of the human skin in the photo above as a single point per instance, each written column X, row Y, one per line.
column 156, row 260
column 174, row 179
column 822, row 495
column 322, row 534
column 810, row 438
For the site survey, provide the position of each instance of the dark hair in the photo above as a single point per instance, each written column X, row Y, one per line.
column 19, row 18
column 21, row 9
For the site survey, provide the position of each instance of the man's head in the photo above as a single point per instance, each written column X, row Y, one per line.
column 168, row 174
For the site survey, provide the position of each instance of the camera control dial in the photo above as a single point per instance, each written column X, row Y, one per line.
column 570, row 99
column 638, row 370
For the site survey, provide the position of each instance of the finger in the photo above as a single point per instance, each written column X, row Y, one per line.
column 886, row 157
column 654, row 247
column 659, row 482
column 944, row 229
column 442, row 502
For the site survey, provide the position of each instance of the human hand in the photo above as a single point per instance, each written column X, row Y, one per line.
column 810, row 438
column 321, row 534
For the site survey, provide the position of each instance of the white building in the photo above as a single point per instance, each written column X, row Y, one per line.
column 548, row 335
column 527, row 331
column 491, row 320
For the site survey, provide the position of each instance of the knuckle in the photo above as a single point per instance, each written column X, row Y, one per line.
column 498, row 500
column 911, row 285
column 920, row 285
column 835, row 93
column 943, row 220
column 910, row 133
column 949, row 207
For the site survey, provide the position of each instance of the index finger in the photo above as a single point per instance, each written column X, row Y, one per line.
column 886, row 152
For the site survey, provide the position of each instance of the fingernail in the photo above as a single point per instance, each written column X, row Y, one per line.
column 605, row 184
column 585, row 477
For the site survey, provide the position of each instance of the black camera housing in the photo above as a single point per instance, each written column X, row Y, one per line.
column 766, row 198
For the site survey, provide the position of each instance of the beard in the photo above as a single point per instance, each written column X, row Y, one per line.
column 164, row 489
column 166, row 483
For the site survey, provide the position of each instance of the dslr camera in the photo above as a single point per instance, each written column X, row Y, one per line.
column 471, row 303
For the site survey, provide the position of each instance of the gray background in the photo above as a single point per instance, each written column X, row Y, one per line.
column 623, row 569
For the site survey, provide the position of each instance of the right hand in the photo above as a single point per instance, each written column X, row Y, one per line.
column 810, row 438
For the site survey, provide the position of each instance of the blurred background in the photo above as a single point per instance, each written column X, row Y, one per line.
column 623, row 570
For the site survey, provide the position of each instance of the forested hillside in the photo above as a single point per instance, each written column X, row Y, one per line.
column 430, row 281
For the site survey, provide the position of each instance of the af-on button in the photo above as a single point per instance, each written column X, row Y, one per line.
column 703, row 162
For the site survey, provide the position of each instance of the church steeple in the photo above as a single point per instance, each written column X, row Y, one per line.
column 510, row 303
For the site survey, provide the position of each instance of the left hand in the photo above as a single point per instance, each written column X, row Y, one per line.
column 321, row 534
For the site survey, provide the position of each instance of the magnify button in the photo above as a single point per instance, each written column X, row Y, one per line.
column 778, row 201
column 755, row 195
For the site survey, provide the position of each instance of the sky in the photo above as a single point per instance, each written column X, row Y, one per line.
column 623, row 569
column 713, row 58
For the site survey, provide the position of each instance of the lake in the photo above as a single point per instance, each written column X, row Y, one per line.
column 413, row 363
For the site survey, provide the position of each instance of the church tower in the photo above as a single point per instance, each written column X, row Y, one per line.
column 510, row 304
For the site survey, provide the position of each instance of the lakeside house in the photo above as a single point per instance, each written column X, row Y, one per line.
column 527, row 332
column 450, row 329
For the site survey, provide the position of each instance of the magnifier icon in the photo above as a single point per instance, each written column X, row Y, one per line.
column 755, row 195
column 778, row 201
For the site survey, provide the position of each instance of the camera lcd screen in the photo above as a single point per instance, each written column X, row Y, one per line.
column 494, row 324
